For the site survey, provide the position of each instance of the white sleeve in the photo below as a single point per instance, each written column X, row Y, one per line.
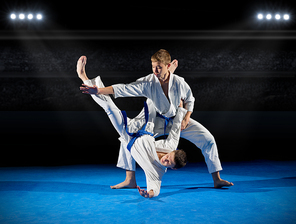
column 138, row 88
column 188, row 98
column 172, row 141
column 144, row 156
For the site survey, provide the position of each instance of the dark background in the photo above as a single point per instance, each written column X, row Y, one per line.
column 242, row 74
column 152, row 15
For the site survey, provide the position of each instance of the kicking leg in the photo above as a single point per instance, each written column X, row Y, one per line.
column 81, row 68
column 104, row 101
column 115, row 116
column 174, row 65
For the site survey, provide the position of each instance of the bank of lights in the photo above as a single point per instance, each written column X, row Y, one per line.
column 23, row 16
column 270, row 16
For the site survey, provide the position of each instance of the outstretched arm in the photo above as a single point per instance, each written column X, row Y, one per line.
column 96, row 90
column 120, row 90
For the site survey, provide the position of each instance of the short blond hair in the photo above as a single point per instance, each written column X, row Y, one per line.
column 162, row 56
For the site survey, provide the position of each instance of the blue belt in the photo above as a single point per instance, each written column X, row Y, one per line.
column 167, row 120
column 141, row 132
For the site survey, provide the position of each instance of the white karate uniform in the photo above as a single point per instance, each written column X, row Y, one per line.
column 149, row 86
column 144, row 148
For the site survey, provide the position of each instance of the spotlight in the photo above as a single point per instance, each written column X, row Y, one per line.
column 12, row 16
column 268, row 16
column 277, row 16
column 21, row 16
column 260, row 16
column 30, row 16
column 286, row 17
column 39, row 16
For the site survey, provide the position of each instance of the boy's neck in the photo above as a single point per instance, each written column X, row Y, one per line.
column 165, row 78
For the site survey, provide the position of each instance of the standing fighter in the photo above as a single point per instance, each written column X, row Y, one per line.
column 165, row 90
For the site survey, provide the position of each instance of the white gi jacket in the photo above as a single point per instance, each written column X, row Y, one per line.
column 145, row 149
column 149, row 86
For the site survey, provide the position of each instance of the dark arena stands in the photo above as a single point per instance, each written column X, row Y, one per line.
column 232, row 79
column 225, row 75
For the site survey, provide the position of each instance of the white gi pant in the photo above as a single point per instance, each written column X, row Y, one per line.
column 126, row 160
column 199, row 136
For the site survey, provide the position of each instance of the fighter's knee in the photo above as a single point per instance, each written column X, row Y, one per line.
column 208, row 138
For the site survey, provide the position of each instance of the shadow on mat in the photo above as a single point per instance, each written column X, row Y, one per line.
column 39, row 186
column 251, row 186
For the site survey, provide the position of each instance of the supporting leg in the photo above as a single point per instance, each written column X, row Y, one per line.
column 204, row 140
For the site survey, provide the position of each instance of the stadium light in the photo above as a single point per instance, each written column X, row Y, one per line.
column 21, row 16
column 269, row 16
column 30, row 16
column 26, row 16
column 260, row 16
column 39, row 16
column 277, row 16
column 12, row 16
column 286, row 17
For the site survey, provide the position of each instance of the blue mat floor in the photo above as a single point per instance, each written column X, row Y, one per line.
column 264, row 192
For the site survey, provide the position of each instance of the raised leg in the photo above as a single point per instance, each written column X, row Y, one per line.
column 80, row 68
column 115, row 116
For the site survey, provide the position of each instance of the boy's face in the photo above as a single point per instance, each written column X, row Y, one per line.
column 159, row 69
column 168, row 160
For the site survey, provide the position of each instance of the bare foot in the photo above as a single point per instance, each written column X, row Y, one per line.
column 125, row 184
column 81, row 68
column 218, row 182
column 174, row 65
column 222, row 183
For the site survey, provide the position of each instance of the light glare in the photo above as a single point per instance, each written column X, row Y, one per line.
column 268, row 16
column 39, row 16
column 21, row 16
column 260, row 16
column 277, row 16
column 30, row 16
column 286, row 17
column 12, row 16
